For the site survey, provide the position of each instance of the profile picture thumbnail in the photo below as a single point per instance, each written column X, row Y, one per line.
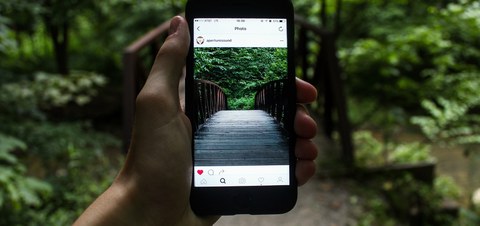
column 200, row 40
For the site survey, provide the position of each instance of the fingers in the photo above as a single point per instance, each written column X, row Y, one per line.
column 304, row 171
column 161, row 88
column 306, row 92
column 305, row 149
column 304, row 125
column 306, row 152
column 305, row 128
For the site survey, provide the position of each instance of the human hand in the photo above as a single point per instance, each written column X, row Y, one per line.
column 153, row 188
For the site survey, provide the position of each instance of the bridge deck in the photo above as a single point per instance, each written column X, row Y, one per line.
column 245, row 137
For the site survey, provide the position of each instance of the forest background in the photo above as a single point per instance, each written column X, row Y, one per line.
column 409, row 67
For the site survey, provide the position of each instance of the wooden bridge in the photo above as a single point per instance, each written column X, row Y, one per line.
column 323, row 72
column 240, row 137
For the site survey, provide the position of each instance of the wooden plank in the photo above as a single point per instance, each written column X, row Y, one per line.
column 246, row 137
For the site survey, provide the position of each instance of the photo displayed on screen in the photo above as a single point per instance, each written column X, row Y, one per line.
column 240, row 73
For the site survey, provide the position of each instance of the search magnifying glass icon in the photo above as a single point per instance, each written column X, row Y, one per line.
column 222, row 180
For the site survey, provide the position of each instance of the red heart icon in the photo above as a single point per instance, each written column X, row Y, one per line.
column 199, row 172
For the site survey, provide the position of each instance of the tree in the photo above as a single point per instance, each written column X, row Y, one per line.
column 58, row 16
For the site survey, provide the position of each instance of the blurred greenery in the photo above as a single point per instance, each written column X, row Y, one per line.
column 408, row 67
column 372, row 152
column 393, row 201
column 17, row 190
column 60, row 79
column 412, row 73
column 426, row 66
column 41, row 156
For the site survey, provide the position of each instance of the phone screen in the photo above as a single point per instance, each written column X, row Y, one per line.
column 240, row 75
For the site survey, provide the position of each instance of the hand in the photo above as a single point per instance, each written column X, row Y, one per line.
column 153, row 188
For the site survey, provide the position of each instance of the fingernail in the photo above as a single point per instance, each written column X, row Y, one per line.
column 174, row 24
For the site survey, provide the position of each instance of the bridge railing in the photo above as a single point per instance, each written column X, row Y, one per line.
column 209, row 100
column 272, row 98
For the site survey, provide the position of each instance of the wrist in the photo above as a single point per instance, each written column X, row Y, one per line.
column 147, row 211
column 116, row 206
column 145, row 203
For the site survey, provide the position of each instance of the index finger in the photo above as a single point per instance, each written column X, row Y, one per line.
column 306, row 93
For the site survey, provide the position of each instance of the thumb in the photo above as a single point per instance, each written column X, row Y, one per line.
column 161, row 86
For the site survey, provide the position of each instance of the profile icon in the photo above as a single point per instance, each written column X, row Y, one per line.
column 200, row 40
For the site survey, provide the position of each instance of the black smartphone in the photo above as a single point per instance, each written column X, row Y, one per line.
column 240, row 98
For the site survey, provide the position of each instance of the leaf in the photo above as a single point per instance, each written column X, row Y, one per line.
column 31, row 190
column 14, row 196
column 8, row 158
column 8, row 143
column 6, row 173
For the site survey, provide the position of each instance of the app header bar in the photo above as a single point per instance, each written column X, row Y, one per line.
column 235, row 32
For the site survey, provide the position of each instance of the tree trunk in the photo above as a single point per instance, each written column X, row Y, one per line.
column 323, row 13
column 337, row 27
column 58, row 32
column 59, row 37
column 61, row 50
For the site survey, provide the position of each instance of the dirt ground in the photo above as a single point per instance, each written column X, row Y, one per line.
column 320, row 203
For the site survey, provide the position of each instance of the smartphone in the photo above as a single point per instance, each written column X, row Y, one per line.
column 240, row 98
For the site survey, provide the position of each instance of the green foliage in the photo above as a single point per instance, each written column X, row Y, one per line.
column 242, row 103
column 449, row 122
column 84, row 176
column 107, row 27
column 411, row 153
column 446, row 187
column 469, row 217
column 404, row 59
column 25, row 99
column 68, row 158
column 52, row 166
column 452, row 114
column 63, row 153
column 391, row 201
column 6, row 42
column 413, row 52
column 391, row 71
column 52, row 90
column 50, row 140
column 406, row 191
column 368, row 150
column 71, row 158
column 240, row 71
column 371, row 152
column 28, row 52
column 96, row 35
column 370, row 209
column 17, row 190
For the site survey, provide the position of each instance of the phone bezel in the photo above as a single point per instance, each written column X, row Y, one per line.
column 253, row 199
